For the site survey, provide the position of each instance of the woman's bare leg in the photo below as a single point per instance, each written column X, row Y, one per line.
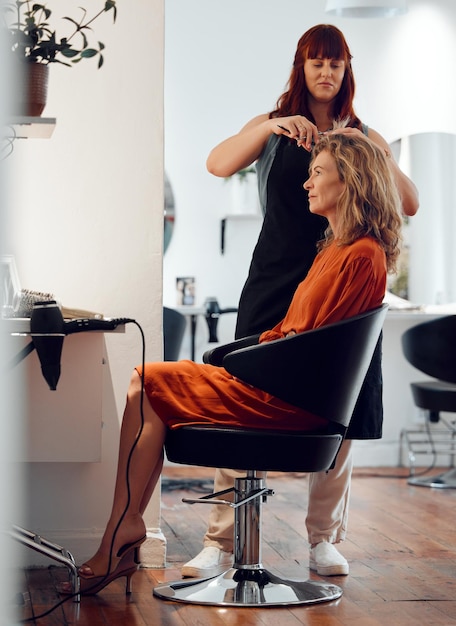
column 143, row 466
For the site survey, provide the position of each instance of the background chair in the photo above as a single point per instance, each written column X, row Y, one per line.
column 174, row 324
column 431, row 348
column 321, row 371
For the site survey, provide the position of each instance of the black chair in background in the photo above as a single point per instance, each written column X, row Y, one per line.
column 322, row 371
column 174, row 324
column 431, row 348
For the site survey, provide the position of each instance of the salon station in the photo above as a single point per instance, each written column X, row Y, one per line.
column 112, row 212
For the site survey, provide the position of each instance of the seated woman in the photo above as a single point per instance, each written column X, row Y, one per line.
column 350, row 184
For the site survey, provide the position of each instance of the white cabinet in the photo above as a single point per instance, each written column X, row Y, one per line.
column 62, row 425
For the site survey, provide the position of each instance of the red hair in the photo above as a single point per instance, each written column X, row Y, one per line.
column 323, row 41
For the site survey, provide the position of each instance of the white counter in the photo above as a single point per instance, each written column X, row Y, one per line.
column 62, row 425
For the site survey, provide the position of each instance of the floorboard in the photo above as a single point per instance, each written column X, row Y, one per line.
column 401, row 547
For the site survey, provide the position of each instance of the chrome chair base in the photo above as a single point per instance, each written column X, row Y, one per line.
column 446, row 480
column 247, row 583
column 248, row 587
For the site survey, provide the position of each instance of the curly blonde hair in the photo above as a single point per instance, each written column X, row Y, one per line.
column 370, row 204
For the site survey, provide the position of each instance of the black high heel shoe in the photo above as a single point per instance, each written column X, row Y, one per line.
column 128, row 564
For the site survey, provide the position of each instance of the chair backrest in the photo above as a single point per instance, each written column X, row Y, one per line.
column 173, row 332
column 431, row 347
column 320, row 370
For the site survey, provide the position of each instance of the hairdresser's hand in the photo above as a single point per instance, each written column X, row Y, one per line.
column 297, row 127
column 347, row 130
column 372, row 137
column 355, row 132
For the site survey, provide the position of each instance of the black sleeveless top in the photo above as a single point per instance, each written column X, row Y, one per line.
column 284, row 252
column 286, row 246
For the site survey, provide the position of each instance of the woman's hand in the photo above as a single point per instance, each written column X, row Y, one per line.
column 347, row 130
column 355, row 132
column 297, row 127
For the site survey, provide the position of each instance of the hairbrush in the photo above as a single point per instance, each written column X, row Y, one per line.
column 24, row 301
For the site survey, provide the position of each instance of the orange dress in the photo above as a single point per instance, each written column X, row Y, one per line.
column 343, row 281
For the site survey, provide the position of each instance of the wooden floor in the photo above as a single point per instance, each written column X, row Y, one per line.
column 401, row 549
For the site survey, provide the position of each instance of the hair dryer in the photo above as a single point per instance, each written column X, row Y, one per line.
column 48, row 330
column 213, row 312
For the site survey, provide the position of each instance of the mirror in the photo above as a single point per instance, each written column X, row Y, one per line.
column 169, row 214
column 428, row 272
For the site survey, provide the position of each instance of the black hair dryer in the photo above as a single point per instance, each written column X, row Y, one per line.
column 213, row 312
column 48, row 331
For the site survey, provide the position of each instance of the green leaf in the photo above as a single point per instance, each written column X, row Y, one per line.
column 33, row 39
column 70, row 19
column 69, row 53
column 110, row 4
column 88, row 52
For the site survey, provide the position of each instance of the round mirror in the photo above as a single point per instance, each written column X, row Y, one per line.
column 169, row 214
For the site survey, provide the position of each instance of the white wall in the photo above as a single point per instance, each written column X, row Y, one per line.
column 226, row 62
column 87, row 225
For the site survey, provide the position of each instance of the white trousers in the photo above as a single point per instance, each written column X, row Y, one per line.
column 327, row 510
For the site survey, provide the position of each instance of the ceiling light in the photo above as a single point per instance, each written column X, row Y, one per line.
column 366, row 8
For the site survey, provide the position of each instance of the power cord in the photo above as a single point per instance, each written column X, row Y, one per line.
column 127, row 477
column 7, row 146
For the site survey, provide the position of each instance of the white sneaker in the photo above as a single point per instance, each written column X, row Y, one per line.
column 209, row 562
column 327, row 561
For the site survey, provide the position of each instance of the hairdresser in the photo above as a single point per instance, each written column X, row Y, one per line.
column 319, row 98
column 351, row 184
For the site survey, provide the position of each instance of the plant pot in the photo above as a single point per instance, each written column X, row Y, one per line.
column 32, row 93
column 244, row 195
column 37, row 88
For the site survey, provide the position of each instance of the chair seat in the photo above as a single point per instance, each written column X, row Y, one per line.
column 435, row 395
column 261, row 450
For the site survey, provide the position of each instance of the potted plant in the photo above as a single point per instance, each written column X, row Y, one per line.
column 33, row 44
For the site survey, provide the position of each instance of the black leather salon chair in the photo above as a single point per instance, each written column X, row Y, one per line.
column 321, row 371
column 431, row 348
column 174, row 324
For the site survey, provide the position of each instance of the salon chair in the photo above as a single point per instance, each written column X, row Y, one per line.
column 320, row 370
column 431, row 348
column 174, row 324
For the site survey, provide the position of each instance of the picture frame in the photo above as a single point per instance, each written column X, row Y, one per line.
column 185, row 289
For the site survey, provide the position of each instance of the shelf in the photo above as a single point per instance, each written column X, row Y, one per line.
column 18, row 326
column 235, row 216
column 23, row 127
